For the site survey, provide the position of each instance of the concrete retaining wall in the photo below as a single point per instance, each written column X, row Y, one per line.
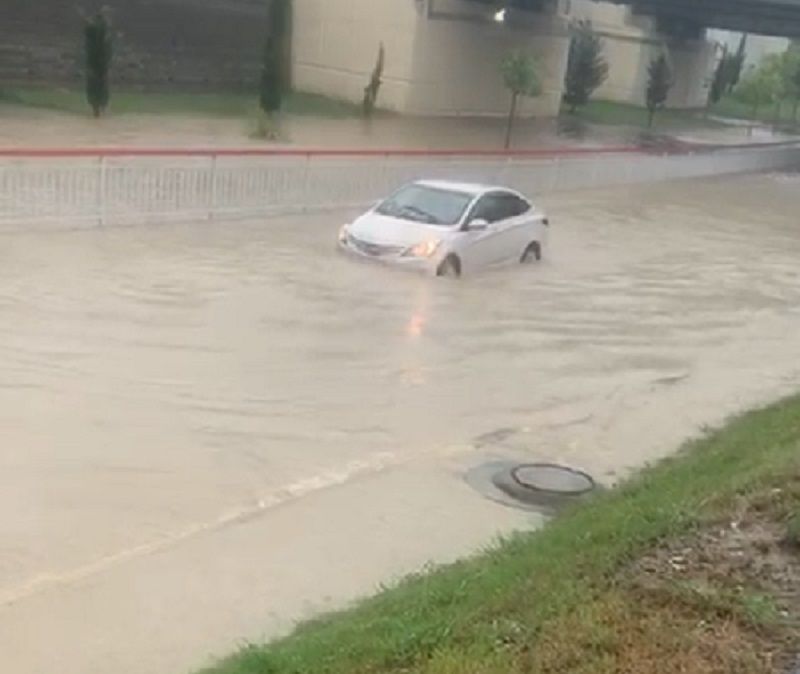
column 184, row 43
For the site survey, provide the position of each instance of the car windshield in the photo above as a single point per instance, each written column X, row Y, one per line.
column 422, row 203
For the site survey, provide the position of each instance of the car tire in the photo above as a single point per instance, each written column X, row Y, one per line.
column 532, row 252
column 450, row 267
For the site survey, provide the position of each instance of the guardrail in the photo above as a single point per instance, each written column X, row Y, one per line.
column 126, row 186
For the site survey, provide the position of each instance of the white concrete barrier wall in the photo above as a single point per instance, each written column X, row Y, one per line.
column 69, row 189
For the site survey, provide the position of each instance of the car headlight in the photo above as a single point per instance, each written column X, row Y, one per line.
column 423, row 249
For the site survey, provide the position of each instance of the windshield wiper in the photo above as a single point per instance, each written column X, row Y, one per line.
column 420, row 213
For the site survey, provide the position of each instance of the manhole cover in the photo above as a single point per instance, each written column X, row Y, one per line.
column 541, row 487
column 552, row 479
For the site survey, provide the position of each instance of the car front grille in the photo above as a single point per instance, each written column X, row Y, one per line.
column 374, row 249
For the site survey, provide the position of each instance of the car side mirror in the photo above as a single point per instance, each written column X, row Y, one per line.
column 478, row 225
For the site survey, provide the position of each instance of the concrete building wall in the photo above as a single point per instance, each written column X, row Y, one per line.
column 443, row 58
column 628, row 47
column 335, row 47
column 692, row 63
column 164, row 43
column 440, row 62
column 632, row 42
column 457, row 65
column 445, row 62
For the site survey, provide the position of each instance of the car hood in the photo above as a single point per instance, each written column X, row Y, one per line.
column 380, row 229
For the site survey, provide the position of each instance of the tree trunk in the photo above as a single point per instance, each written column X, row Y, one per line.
column 795, row 108
column 651, row 115
column 511, row 114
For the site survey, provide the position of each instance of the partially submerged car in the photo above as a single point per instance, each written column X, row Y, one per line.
column 448, row 228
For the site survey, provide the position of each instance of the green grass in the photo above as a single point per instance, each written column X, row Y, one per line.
column 731, row 107
column 625, row 114
column 241, row 105
column 488, row 614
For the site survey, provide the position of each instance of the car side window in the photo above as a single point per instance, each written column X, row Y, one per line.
column 490, row 208
column 514, row 205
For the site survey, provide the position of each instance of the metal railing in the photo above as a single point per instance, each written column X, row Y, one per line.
column 113, row 187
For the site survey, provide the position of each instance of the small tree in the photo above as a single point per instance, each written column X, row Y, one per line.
column 372, row 89
column 757, row 89
column 521, row 77
column 98, row 50
column 776, row 67
column 794, row 81
column 658, row 85
column 587, row 67
column 787, row 66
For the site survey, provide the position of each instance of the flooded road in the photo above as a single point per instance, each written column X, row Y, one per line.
column 203, row 423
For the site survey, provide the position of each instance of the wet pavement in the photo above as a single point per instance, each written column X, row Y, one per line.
column 32, row 128
column 211, row 430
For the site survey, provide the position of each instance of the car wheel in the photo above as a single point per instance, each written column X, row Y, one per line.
column 532, row 252
column 451, row 267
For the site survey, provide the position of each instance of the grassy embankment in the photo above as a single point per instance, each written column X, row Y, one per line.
column 623, row 114
column 662, row 575
column 241, row 105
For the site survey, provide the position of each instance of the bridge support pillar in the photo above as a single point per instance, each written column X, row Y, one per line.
column 692, row 64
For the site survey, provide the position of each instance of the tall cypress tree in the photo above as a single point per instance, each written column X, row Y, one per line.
column 98, row 51
column 719, row 83
column 736, row 64
column 273, row 71
column 658, row 85
column 587, row 68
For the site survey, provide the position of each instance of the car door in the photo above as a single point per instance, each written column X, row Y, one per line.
column 484, row 247
column 518, row 228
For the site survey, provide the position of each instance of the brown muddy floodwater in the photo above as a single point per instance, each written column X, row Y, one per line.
column 212, row 430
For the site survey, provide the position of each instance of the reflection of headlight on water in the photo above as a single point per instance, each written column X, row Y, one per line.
column 423, row 249
column 418, row 321
column 416, row 325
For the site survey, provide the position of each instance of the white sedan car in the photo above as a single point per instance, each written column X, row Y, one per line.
column 448, row 228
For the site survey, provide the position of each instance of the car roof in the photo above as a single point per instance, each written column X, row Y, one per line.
column 474, row 189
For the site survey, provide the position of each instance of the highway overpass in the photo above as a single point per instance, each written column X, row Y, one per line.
column 766, row 17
